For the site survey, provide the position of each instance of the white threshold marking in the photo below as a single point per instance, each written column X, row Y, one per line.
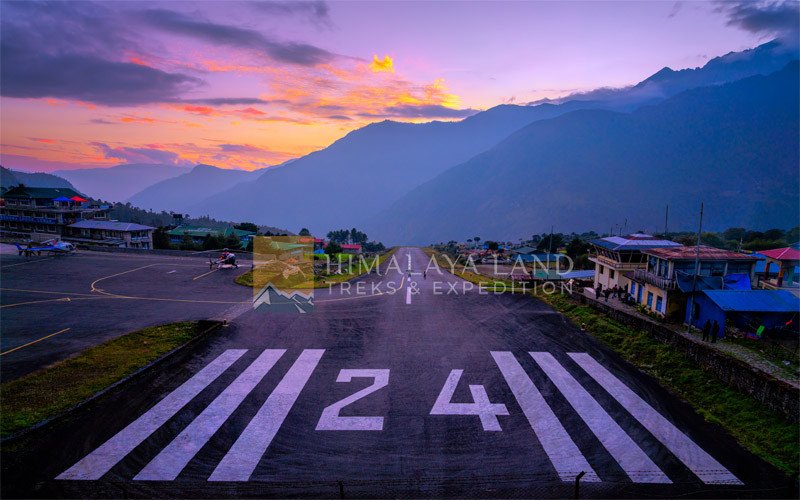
column 173, row 459
column 635, row 462
column 565, row 456
column 101, row 460
column 687, row 451
column 243, row 457
column 408, row 295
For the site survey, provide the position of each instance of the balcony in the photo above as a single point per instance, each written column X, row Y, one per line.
column 25, row 218
column 615, row 264
column 643, row 275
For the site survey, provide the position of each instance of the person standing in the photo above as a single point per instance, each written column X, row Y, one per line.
column 706, row 330
column 714, row 332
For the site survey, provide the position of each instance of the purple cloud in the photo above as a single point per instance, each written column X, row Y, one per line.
column 289, row 52
column 141, row 155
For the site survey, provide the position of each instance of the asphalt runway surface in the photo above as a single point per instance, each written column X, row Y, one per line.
column 416, row 387
column 54, row 307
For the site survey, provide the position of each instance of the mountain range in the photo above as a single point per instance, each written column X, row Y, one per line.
column 10, row 178
column 732, row 146
column 183, row 192
column 120, row 182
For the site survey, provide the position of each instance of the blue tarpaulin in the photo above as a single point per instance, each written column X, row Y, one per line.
column 737, row 282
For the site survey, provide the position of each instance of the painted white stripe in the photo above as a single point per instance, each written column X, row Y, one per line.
column 635, row 462
column 243, row 457
column 101, row 460
column 695, row 458
column 408, row 295
column 173, row 459
column 565, row 456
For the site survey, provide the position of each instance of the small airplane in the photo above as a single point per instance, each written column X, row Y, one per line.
column 53, row 246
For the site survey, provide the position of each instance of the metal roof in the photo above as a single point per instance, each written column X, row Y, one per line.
column 637, row 241
column 689, row 253
column 110, row 225
column 788, row 253
column 39, row 193
column 755, row 300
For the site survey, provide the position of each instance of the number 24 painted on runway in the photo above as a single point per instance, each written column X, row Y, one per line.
column 331, row 420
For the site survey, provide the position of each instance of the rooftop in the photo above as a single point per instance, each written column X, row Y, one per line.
column 636, row 241
column 39, row 193
column 755, row 300
column 787, row 253
column 110, row 225
column 690, row 253
column 202, row 231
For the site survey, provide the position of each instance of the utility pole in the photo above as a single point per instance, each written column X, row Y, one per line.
column 696, row 269
column 666, row 223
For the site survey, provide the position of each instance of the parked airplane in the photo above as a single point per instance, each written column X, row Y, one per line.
column 54, row 246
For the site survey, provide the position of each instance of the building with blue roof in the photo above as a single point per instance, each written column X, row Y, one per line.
column 747, row 310
column 616, row 257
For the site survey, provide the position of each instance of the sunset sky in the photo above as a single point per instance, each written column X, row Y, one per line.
column 248, row 85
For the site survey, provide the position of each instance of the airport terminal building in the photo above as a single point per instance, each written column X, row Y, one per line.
column 40, row 214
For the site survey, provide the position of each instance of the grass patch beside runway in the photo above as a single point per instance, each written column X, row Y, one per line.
column 760, row 430
column 48, row 392
column 764, row 432
column 358, row 268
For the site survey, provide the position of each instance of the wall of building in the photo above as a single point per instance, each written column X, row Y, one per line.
column 775, row 394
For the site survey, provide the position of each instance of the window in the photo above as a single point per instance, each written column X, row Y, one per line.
column 633, row 288
column 659, row 302
column 611, row 273
column 649, row 300
column 739, row 267
column 602, row 269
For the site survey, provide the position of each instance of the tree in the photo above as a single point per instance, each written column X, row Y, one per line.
column 576, row 248
column 551, row 243
column 247, row 226
column 734, row 233
column 339, row 235
column 774, row 234
column 187, row 243
column 161, row 238
column 211, row 242
column 492, row 245
column 232, row 241
column 792, row 236
column 305, row 232
column 333, row 248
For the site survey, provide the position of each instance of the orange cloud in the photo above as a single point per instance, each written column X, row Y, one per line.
column 137, row 119
column 199, row 110
column 379, row 65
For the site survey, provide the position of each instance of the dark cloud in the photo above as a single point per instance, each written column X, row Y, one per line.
column 778, row 18
column 339, row 117
column 140, row 155
column 676, row 7
column 101, row 121
column 288, row 52
column 425, row 111
column 32, row 74
column 316, row 11
column 225, row 101
column 68, row 50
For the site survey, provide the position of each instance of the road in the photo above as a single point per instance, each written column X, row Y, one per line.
column 404, row 393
